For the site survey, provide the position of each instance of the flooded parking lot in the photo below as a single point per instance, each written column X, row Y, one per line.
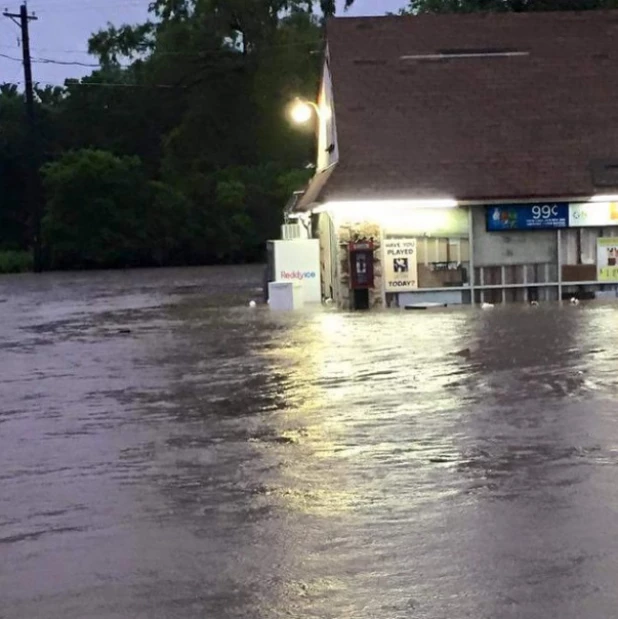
column 168, row 452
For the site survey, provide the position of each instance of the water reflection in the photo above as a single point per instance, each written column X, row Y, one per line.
column 166, row 451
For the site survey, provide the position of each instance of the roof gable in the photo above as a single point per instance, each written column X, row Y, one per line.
column 475, row 107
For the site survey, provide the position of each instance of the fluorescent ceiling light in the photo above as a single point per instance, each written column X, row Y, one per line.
column 605, row 198
column 378, row 205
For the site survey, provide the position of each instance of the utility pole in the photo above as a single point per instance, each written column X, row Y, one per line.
column 33, row 197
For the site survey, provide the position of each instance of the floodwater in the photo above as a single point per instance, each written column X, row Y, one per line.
column 168, row 452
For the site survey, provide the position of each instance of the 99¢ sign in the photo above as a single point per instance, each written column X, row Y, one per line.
column 545, row 211
column 539, row 216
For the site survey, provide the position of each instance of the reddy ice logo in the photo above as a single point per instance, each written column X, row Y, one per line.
column 298, row 275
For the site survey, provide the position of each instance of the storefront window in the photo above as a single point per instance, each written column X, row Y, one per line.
column 441, row 250
column 442, row 262
column 583, row 253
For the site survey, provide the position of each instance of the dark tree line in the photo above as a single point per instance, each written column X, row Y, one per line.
column 177, row 150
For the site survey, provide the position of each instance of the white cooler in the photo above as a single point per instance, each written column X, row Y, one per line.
column 285, row 296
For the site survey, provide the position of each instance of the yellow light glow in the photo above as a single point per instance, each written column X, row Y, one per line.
column 381, row 210
column 301, row 112
column 605, row 198
column 393, row 204
column 325, row 112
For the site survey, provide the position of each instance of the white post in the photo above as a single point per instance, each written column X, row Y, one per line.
column 559, row 259
column 382, row 266
column 471, row 254
column 482, row 278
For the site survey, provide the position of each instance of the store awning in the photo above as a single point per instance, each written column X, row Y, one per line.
column 314, row 190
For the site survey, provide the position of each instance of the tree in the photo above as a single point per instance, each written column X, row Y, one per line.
column 128, row 42
column 167, row 225
column 96, row 210
column 469, row 6
column 182, row 9
column 13, row 218
column 176, row 150
column 226, row 67
column 14, row 157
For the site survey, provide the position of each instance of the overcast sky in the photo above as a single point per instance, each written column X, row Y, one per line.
column 63, row 27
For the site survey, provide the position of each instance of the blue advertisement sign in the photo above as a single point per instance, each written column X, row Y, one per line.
column 537, row 216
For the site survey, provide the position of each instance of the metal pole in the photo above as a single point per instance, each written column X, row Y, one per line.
column 22, row 19
column 471, row 276
column 559, row 260
column 33, row 195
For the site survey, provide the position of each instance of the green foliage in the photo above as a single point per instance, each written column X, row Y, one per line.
column 166, row 226
column 177, row 150
column 104, row 212
column 13, row 221
column 127, row 41
column 15, row 261
column 96, row 210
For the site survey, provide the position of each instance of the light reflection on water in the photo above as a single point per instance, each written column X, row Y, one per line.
column 167, row 451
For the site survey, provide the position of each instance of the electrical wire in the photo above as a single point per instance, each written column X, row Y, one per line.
column 194, row 54
column 66, row 63
column 37, row 5
column 7, row 57
column 57, row 8
column 53, row 50
column 70, row 83
column 197, row 53
column 177, row 54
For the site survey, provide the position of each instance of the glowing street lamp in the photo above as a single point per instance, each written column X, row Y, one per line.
column 301, row 110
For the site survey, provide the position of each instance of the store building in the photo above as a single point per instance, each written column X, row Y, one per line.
column 467, row 158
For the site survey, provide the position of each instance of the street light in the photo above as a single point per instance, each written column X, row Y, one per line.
column 301, row 110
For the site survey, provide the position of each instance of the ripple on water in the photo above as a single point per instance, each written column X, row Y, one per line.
column 176, row 454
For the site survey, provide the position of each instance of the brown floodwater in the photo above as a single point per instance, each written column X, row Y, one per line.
column 168, row 452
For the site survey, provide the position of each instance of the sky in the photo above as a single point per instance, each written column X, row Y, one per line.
column 63, row 27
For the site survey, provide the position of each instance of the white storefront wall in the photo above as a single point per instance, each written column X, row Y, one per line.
column 501, row 266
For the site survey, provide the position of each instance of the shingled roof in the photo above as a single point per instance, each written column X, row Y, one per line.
column 474, row 107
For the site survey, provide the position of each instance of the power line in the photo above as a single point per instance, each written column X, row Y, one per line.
column 53, row 50
column 89, row 7
column 201, row 52
column 70, row 63
column 195, row 54
column 11, row 58
column 68, row 84
column 66, row 63
column 71, row 83
column 50, row 5
column 38, row 5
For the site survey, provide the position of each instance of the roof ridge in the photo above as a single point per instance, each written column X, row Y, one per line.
column 477, row 15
